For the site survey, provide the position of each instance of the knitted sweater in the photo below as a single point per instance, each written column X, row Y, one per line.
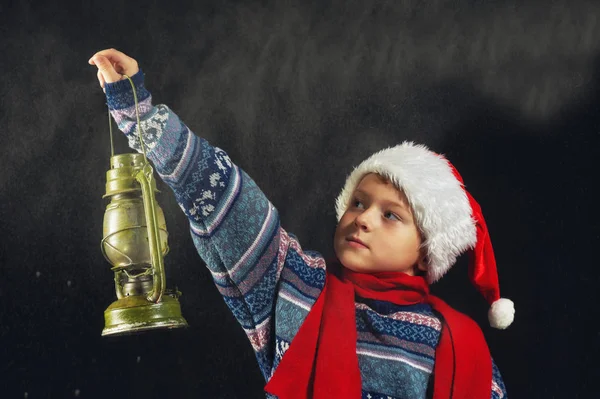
column 267, row 280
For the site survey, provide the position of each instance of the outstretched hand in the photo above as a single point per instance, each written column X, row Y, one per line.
column 112, row 65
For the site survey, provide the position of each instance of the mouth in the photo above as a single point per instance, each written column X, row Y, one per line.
column 356, row 242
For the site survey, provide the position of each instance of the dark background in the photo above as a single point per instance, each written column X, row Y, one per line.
column 297, row 93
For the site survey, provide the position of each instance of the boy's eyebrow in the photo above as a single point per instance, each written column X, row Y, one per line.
column 399, row 204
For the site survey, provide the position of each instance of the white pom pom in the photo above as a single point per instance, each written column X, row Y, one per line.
column 501, row 313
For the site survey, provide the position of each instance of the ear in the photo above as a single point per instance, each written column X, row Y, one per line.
column 423, row 263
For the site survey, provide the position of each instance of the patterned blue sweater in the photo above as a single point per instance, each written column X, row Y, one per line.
column 268, row 281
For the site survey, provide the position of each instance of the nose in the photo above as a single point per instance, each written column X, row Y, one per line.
column 363, row 220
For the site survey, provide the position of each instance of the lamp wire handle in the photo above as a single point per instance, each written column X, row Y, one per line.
column 112, row 147
column 137, row 115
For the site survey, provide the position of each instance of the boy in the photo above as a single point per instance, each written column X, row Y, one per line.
column 365, row 324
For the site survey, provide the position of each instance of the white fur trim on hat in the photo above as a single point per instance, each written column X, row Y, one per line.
column 439, row 203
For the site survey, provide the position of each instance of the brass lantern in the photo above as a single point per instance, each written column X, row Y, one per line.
column 135, row 242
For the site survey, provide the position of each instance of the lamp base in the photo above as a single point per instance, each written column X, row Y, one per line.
column 135, row 313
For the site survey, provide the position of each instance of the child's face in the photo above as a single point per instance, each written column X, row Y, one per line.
column 381, row 218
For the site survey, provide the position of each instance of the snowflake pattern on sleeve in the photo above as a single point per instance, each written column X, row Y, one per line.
column 200, row 197
column 152, row 127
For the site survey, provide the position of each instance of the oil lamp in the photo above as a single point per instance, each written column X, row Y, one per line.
column 135, row 243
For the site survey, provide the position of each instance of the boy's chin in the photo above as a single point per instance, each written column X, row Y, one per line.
column 361, row 267
column 356, row 267
column 353, row 262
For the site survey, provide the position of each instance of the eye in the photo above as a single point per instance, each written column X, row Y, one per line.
column 391, row 216
column 357, row 204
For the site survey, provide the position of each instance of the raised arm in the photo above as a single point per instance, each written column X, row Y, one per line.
column 234, row 227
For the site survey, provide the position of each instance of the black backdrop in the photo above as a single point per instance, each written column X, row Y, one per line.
column 297, row 93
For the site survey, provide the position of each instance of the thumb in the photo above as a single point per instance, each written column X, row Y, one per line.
column 106, row 69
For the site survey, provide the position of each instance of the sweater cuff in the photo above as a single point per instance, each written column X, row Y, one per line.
column 119, row 94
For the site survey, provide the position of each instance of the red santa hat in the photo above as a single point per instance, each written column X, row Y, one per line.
column 448, row 216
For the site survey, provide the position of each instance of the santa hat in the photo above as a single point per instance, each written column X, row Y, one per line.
column 447, row 215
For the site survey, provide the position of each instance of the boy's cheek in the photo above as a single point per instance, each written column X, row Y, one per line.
column 339, row 233
column 336, row 247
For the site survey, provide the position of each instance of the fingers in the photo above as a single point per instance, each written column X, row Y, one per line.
column 106, row 70
column 120, row 62
column 113, row 55
column 101, row 80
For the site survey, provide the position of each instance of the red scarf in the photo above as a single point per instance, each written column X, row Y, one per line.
column 321, row 361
